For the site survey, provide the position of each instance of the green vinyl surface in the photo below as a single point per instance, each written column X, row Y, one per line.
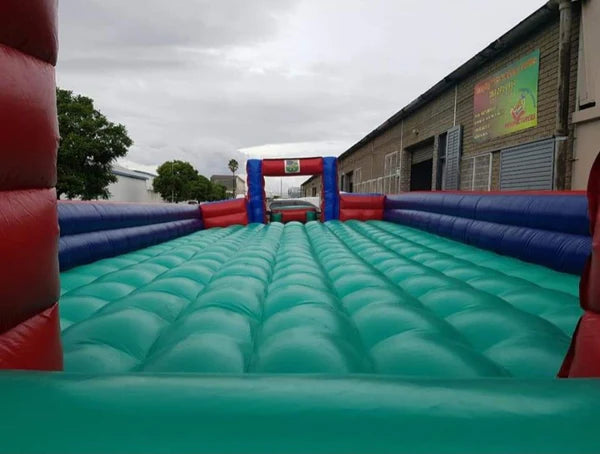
column 337, row 337
column 333, row 298
column 186, row 413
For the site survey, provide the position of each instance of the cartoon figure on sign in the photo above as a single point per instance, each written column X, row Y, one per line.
column 292, row 166
column 520, row 109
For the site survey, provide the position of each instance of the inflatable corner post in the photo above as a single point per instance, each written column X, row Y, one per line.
column 583, row 357
column 29, row 282
column 258, row 169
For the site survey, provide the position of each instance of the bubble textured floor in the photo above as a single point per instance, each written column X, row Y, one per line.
column 337, row 298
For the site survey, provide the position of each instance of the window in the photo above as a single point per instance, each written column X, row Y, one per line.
column 476, row 173
column 453, row 151
column 357, row 180
column 391, row 173
column 314, row 191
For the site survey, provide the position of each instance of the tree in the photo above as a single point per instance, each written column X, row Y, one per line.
column 176, row 181
column 233, row 167
column 218, row 192
column 89, row 144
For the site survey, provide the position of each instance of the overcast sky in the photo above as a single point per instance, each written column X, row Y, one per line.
column 210, row 80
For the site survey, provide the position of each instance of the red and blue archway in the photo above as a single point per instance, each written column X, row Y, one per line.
column 258, row 169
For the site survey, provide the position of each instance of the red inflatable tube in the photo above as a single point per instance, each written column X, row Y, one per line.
column 223, row 214
column 583, row 357
column 294, row 215
column 28, row 122
column 30, row 26
column 361, row 207
column 34, row 344
column 28, row 255
column 276, row 167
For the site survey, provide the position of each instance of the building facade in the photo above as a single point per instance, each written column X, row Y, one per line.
column 502, row 121
column 133, row 186
column 227, row 181
column 586, row 117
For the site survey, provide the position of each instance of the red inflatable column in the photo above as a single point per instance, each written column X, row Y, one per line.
column 29, row 286
column 583, row 358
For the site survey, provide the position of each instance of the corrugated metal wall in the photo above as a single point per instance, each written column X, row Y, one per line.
column 528, row 167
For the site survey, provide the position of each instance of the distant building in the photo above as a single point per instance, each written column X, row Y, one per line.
column 295, row 192
column 133, row 186
column 227, row 181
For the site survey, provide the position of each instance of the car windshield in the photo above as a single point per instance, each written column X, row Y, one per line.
column 291, row 203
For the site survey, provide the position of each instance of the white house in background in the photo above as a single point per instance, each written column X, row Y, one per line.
column 133, row 186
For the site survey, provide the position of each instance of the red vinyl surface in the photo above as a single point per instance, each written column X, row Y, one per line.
column 276, row 167
column 29, row 126
column 583, row 358
column 361, row 207
column 29, row 282
column 34, row 344
column 29, row 254
column 223, row 214
column 294, row 215
column 30, row 26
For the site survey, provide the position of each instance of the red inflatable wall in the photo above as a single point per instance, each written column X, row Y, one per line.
column 583, row 358
column 223, row 214
column 276, row 167
column 29, row 286
column 361, row 207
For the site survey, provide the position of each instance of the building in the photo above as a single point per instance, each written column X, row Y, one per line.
column 227, row 181
column 504, row 120
column 294, row 192
column 586, row 117
column 133, row 186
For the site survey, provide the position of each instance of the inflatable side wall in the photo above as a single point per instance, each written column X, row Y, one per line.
column 91, row 231
column 550, row 229
column 29, row 285
column 583, row 358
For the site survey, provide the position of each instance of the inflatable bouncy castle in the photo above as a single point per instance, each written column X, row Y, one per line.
column 422, row 322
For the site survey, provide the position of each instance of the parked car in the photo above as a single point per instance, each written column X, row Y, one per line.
column 287, row 210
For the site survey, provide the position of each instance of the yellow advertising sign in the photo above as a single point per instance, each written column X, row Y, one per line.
column 507, row 101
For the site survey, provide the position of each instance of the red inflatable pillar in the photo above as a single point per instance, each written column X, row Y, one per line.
column 583, row 358
column 29, row 286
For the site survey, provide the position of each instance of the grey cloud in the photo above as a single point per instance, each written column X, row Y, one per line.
column 200, row 79
column 206, row 23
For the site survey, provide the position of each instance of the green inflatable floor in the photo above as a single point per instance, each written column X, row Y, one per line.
column 335, row 298
column 325, row 338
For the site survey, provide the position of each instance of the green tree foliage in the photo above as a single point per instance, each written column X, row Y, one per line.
column 89, row 144
column 178, row 181
column 233, row 167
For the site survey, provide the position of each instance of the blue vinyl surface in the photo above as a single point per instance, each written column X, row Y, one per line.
column 550, row 230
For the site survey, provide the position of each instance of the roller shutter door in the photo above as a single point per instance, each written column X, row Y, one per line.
column 422, row 154
column 528, row 167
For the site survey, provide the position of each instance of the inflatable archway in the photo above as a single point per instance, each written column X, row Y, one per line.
column 258, row 169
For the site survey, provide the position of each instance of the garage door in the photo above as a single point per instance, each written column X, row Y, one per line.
column 528, row 167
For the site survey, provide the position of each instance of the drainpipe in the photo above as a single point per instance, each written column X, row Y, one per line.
column 561, row 132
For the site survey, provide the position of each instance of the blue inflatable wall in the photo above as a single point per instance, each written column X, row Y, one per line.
column 93, row 231
column 551, row 229
column 331, row 195
column 256, row 191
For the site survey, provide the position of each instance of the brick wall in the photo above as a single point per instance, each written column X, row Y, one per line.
column 437, row 116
